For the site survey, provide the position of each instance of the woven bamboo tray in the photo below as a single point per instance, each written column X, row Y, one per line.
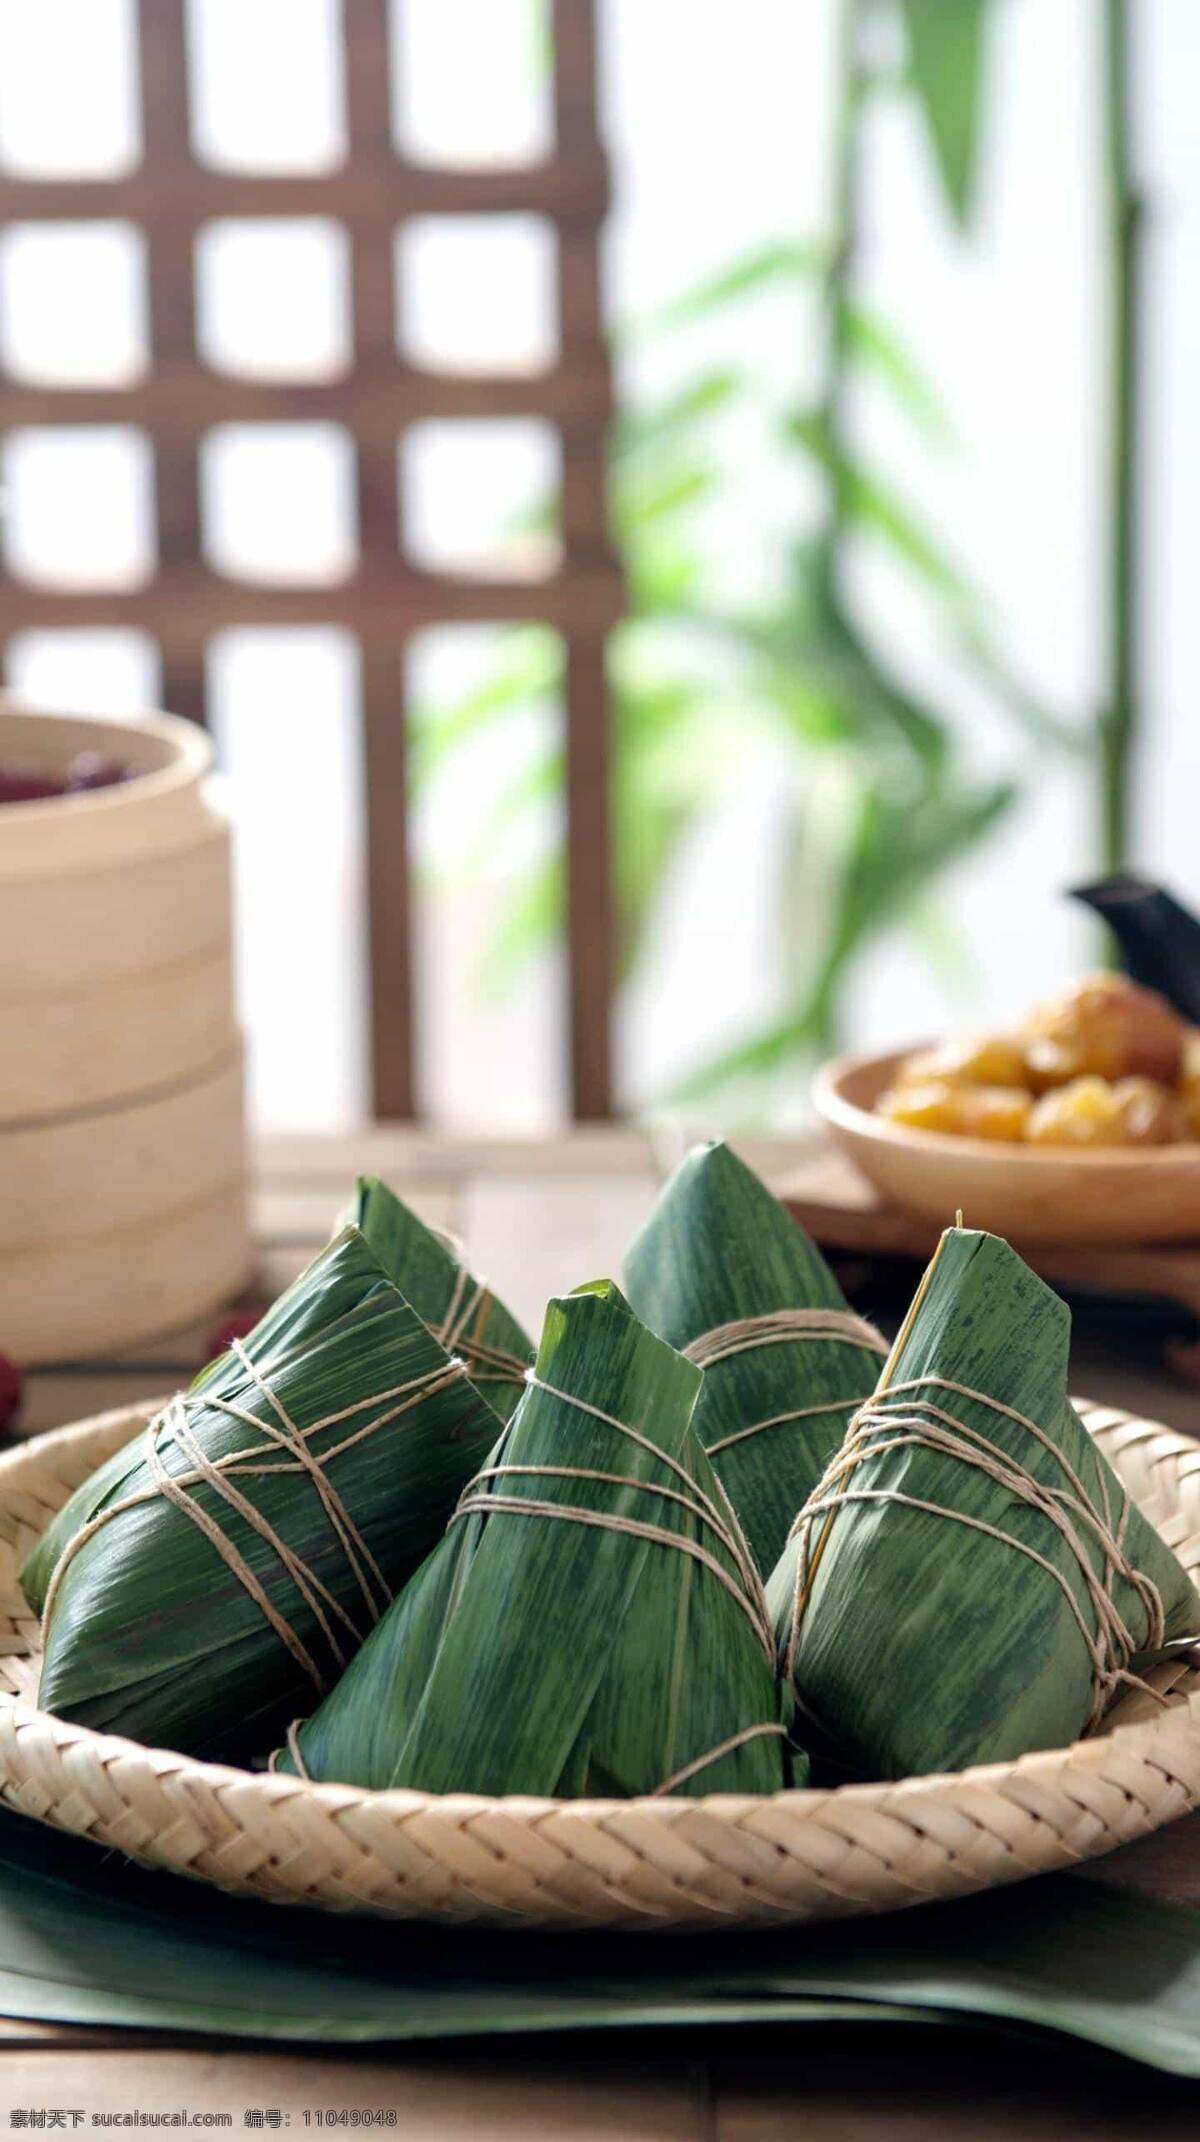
column 720, row 1861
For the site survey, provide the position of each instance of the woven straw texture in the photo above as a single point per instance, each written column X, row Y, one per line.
column 669, row 1863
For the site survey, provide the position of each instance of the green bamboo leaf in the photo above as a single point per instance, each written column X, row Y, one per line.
column 883, row 708
column 876, row 506
column 946, row 70
column 637, row 429
column 533, row 787
column 1042, row 724
column 528, row 668
column 817, row 714
column 662, row 576
column 785, row 262
column 895, row 848
column 643, row 497
column 816, row 663
column 88, row 1938
column 462, row 1311
column 866, row 498
column 879, row 347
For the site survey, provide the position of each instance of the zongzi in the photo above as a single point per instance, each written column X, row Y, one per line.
column 459, row 1309
column 592, row 1622
column 969, row 1580
column 232, row 1559
column 723, row 1272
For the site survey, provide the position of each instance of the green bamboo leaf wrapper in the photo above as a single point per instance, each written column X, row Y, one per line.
column 719, row 1247
column 149, row 1633
column 924, row 1645
column 532, row 1654
column 459, row 1309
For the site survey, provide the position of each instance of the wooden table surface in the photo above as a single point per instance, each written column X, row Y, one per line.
column 538, row 1218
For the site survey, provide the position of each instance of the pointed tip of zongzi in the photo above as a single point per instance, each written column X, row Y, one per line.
column 716, row 1230
column 977, row 1284
column 596, row 1303
column 430, row 1270
column 594, row 1327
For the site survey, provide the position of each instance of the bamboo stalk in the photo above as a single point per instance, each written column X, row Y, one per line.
column 848, row 93
column 1120, row 719
column 850, row 85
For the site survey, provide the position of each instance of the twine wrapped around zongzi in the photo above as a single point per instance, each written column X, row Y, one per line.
column 343, row 1279
column 282, row 1448
column 238, row 1553
column 969, row 1580
column 722, row 1272
column 903, row 1421
column 471, row 1302
column 745, row 1586
column 782, row 1327
column 593, row 1621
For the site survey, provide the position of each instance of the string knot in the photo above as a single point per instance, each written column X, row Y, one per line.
column 469, row 1301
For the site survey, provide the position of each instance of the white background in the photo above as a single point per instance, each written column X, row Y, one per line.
column 716, row 122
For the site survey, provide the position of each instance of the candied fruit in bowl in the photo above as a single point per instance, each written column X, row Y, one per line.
column 1104, row 1026
column 996, row 1112
column 1095, row 1111
column 974, row 1060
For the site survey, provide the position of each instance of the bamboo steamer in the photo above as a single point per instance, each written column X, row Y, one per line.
column 121, row 1160
column 115, row 947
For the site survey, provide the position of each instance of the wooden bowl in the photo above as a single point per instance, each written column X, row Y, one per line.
column 1027, row 1193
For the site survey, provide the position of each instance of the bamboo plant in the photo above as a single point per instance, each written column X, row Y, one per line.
column 886, row 797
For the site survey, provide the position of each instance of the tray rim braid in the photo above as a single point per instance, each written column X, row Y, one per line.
column 725, row 1860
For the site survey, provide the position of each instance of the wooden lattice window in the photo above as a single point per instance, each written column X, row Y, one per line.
column 169, row 198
